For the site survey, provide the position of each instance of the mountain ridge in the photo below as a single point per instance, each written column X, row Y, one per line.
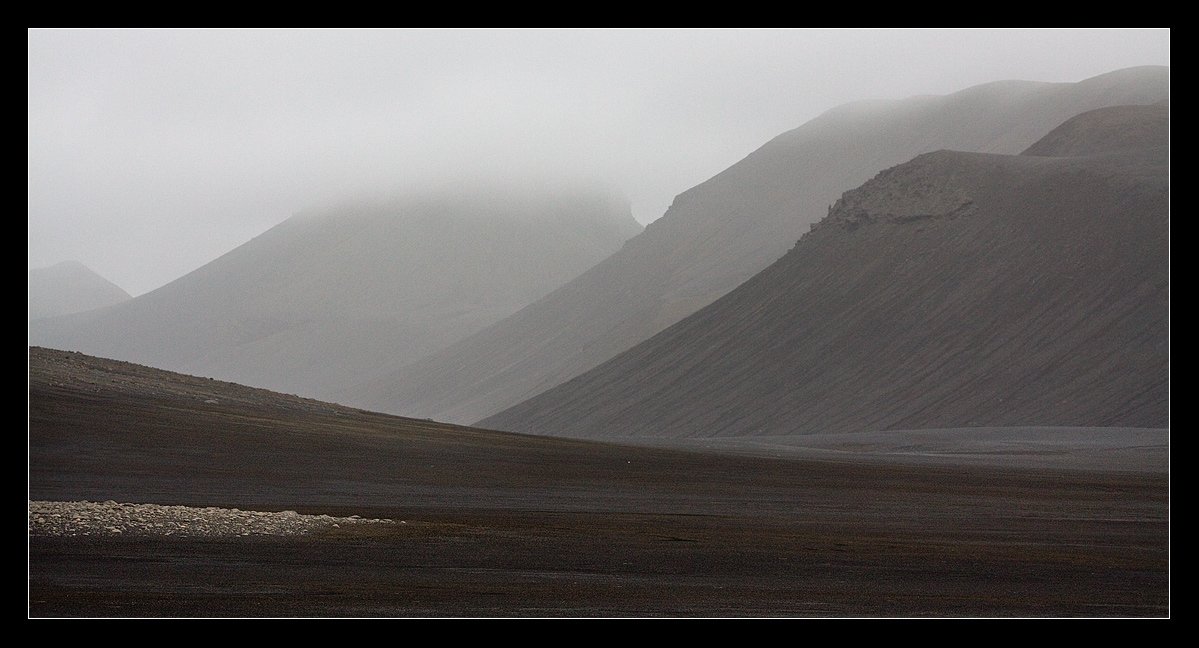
column 958, row 289
column 720, row 233
column 348, row 291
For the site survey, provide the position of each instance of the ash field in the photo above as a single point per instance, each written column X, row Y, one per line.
column 499, row 524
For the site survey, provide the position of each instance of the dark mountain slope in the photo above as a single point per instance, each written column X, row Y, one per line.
column 719, row 234
column 333, row 297
column 958, row 289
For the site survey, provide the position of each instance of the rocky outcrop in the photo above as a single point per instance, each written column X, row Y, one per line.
column 112, row 519
column 905, row 193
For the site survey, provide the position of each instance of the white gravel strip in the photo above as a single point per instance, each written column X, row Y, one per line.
column 111, row 518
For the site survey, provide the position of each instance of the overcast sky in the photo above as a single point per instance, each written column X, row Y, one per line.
column 153, row 152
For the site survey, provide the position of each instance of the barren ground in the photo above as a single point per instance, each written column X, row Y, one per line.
column 510, row 525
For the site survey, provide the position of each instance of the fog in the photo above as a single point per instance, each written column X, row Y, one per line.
column 151, row 152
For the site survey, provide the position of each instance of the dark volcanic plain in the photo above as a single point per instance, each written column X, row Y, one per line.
column 509, row 525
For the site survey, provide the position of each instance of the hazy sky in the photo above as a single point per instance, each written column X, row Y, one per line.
column 152, row 152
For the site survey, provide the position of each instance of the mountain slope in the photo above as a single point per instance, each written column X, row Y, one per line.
column 722, row 232
column 332, row 297
column 70, row 287
column 958, row 289
column 1107, row 130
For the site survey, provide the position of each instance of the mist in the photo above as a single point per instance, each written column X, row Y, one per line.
column 151, row 152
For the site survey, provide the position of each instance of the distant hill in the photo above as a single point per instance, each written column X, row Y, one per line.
column 955, row 290
column 724, row 231
column 1107, row 130
column 338, row 295
column 70, row 287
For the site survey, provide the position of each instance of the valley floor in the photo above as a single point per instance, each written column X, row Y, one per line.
column 1143, row 450
column 510, row 525
column 937, row 547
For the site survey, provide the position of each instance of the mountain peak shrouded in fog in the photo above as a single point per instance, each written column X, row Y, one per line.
column 723, row 231
column 69, row 287
column 338, row 294
column 153, row 151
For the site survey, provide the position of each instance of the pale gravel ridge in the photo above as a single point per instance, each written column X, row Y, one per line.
column 112, row 518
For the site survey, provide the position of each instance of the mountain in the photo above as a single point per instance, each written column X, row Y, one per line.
column 337, row 295
column 724, row 231
column 955, row 290
column 69, row 287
